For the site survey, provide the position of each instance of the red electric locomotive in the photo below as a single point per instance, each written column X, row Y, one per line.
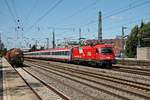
column 101, row 54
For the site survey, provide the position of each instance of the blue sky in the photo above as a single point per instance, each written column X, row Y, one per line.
column 38, row 18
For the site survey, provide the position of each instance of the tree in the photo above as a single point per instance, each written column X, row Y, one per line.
column 3, row 52
column 131, row 43
column 41, row 48
column 136, row 38
column 33, row 48
column 145, row 33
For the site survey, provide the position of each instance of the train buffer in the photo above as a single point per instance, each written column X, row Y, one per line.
column 12, row 86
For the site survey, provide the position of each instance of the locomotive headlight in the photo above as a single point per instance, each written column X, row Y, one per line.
column 108, row 57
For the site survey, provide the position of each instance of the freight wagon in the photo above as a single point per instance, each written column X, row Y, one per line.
column 15, row 56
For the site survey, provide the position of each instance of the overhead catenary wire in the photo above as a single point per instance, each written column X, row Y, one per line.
column 118, row 12
column 14, row 8
column 129, row 22
column 10, row 11
column 45, row 14
column 130, row 6
column 112, row 28
column 81, row 10
column 14, row 18
column 31, row 11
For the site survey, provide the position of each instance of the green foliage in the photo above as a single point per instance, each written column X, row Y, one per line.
column 33, row 48
column 3, row 52
column 137, row 38
column 41, row 48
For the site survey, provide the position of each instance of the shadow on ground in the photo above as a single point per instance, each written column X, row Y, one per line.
column 21, row 66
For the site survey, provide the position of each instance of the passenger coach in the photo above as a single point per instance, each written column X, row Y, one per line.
column 101, row 55
column 51, row 54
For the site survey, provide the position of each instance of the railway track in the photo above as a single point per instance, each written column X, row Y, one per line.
column 120, row 68
column 34, row 82
column 131, row 89
column 141, row 71
column 101, row 72
column 79, row 91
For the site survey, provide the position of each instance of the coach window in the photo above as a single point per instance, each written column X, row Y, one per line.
column 65, row 53
column 55, row 53
column 68, row 52
column 62, row 52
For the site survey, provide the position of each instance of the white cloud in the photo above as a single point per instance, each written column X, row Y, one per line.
column 116, row 18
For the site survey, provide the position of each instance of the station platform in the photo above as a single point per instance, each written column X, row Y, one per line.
column 12, row 86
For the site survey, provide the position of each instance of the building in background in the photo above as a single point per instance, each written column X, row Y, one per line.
column 117, row 44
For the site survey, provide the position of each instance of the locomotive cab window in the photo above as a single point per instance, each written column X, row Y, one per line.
column 106, row 50
column 97, row 51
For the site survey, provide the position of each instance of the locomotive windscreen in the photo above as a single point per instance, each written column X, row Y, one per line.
column 106, row 50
